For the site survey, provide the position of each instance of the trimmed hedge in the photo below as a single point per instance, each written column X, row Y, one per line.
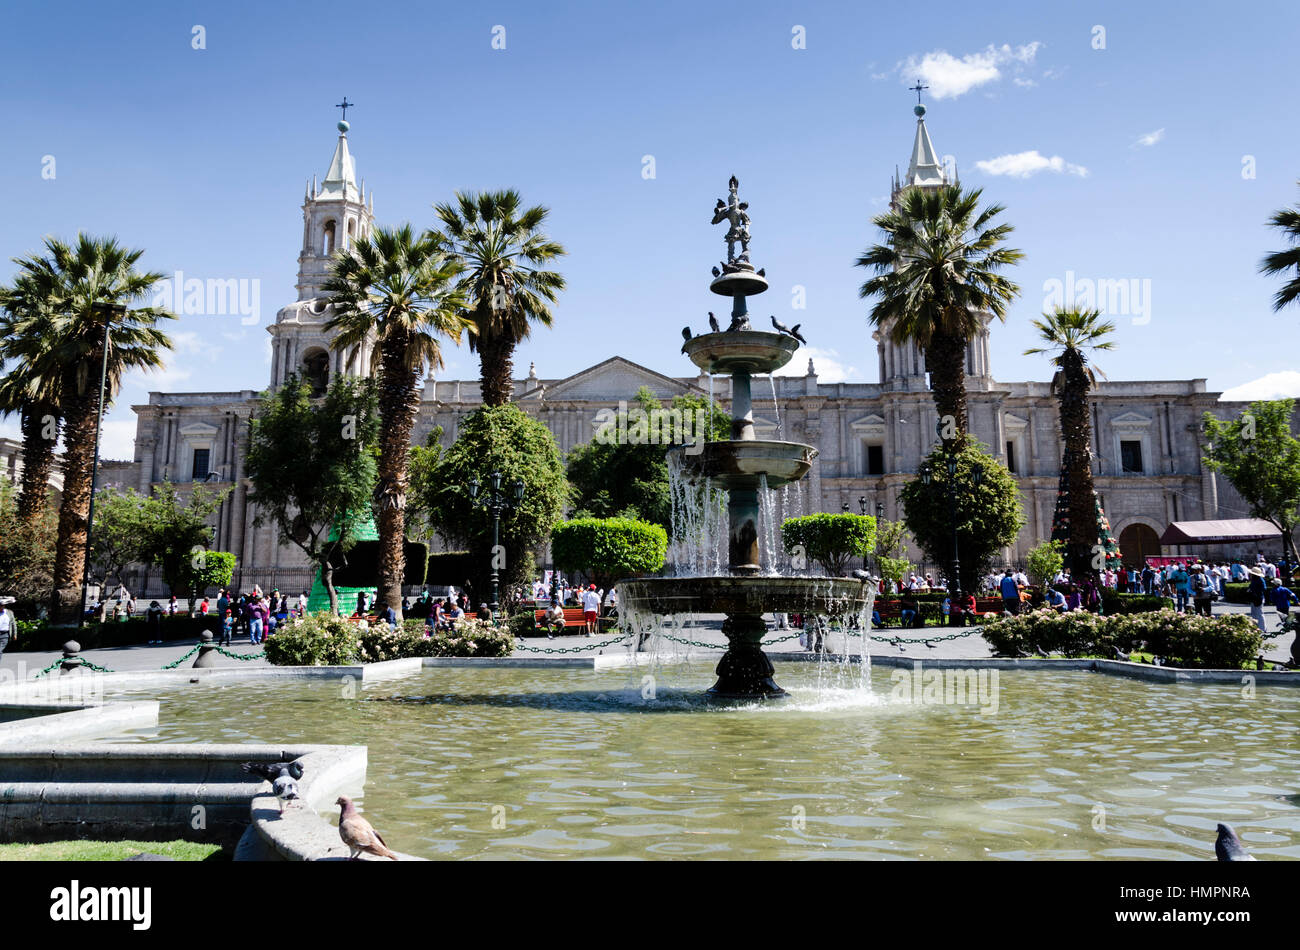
column 609, row 549
column 450, row 568
column 1226, row 641
column 322, row 640
column 42, row 637
column 833, row 541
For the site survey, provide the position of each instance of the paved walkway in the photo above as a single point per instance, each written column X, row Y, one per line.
column 126, row 659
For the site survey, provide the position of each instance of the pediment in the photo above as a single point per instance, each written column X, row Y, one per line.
column 871, row 424
column 1130, row 420
column 1012, row 421
column 198, row 430
column 613, row 380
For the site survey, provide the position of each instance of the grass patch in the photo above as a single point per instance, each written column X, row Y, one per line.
column 110, row 851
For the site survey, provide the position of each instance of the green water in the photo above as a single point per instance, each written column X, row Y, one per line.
column 577, row 764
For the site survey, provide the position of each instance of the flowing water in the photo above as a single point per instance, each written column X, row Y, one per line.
column 609, row 764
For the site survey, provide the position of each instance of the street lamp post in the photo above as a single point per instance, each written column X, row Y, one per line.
column 496, row 501
column 109, row 312
column 862, row 506
column 927, row 474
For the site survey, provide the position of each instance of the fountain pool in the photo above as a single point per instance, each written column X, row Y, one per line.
column 578, row 763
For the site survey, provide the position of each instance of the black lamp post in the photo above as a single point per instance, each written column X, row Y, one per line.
column 927, row 475
column 880, row 514
column 862, row 506
column 108, row 312
column 496, row 501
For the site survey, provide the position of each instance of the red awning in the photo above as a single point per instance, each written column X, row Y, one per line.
column 1219, row 532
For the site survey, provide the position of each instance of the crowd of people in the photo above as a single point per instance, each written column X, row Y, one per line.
column 593, row 601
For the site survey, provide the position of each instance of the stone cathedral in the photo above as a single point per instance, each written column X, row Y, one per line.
column 871, row 436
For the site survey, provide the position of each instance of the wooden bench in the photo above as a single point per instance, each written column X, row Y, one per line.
column 573, row 617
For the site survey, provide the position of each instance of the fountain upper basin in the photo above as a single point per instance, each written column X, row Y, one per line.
column 750, row 352
column 739, row 463
column 746, row 595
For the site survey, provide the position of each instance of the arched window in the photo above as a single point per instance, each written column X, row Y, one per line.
column 351, row 233
column 316, row 370
column 329, row 244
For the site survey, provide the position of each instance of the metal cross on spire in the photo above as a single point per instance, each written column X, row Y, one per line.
column 917, row 89
column 344, row 105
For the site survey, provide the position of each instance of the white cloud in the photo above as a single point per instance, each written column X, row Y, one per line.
column 948, row 77
column 828, row 364
column 1151, row 138
column 1283, row 385
column 1024, row 83
column 1024, row 164
column 117, row 439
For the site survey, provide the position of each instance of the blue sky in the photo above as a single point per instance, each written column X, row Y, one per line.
column 1117, row 163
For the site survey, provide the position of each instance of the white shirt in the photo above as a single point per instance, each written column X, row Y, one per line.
column 590, row 600
column 6, row 621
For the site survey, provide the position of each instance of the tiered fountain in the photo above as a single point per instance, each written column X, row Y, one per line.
column 741, row 465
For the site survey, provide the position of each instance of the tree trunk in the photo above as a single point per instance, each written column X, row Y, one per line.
column 38, row 459
column 496, row 370
column 945, row 361
column 398, row 402
column 74, row 511
column 327, row 578
column 1076, row 433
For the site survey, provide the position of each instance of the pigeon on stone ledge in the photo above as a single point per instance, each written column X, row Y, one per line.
column 713, row 323
column 716, row 272
column 794, row 332
column 357, row 833
column 686, row 334
column 283, row 777
column 1228, row 846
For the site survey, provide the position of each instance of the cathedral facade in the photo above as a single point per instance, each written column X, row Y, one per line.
column 871, row 437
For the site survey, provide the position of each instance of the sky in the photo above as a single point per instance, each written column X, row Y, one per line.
column 1143, row 143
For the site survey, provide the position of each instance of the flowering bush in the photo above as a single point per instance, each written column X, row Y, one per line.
column 470, row 638
column 1226, row 641
column 316, row 640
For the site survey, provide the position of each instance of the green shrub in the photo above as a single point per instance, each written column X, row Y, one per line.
column 362, row 568
column 522, row 624
column 1115, row 603
column 316, row 640
column 39, row 636
column 1225, row 641
column 609, row 549
column 1237, row 592
column 830, row 540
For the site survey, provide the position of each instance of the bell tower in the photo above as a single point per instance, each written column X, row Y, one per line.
column 902, row 365
column 335, row 214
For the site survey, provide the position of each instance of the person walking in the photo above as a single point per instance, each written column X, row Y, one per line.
column 1178, row 580
column 1282, row 599
column 154, row 617
column 1202, row 589
column 591, row 609
column 1010, row 593
column 227, row 627
column 1255, row 595
column 254, row 613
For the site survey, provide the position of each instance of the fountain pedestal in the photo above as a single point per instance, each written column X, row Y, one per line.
column 745, row 672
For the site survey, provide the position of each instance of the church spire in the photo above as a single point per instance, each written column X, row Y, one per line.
column 335, row 214
column 924, row 169
column 341, row 179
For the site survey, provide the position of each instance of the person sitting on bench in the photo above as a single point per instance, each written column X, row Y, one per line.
column 553, row 622
column 907, row 612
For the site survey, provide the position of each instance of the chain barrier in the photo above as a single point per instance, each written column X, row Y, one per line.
column 172, row 666
column 519, row 645
column 94, row 666
column 47, row 669
column 239, row 656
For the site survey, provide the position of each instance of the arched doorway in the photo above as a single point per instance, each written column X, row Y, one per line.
column 1138, row 542
column 316, row 370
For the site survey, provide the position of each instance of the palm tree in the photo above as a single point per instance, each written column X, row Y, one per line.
column 395, row 293
column 935, row 273
column 68, row 280
column 30, row 389
column 1070, row 333
column 1288, row 261
column 501, row 249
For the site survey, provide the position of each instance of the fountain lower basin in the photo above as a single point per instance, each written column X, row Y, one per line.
column 745, row 673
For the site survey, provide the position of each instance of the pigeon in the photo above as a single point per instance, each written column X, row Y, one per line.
column 861, row 575
column 686, row 333
column 762, row 272
column 1121, row 655
column 794, row 332
column 1228, row 846
column 283, row 777
column 713, row 323
column 357, row 833
column 781, row 327
column 929, row 644
column 716, row 272
column 1040, row 651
